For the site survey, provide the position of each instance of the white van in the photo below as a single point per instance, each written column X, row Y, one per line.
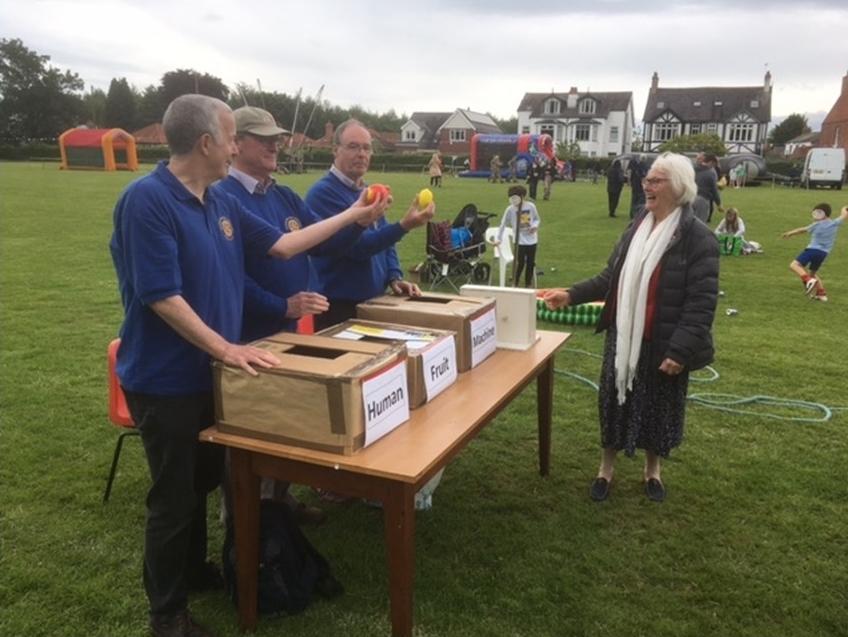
column 824, row 167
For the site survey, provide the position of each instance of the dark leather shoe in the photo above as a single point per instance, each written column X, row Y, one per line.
column 655, row 490
column 180, row 624
column 599, row 490
column 206, row 578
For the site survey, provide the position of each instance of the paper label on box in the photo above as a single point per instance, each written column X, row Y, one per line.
column 484, row 337
column 439, row 366
column 385, row 400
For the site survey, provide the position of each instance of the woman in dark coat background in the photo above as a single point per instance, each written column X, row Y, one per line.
column 660, row 286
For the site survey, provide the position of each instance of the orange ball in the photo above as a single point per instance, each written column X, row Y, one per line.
column 375, row 192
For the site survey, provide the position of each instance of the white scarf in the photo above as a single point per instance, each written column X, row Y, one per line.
column 646, row 248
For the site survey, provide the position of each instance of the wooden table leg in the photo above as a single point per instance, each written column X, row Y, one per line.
column 399, row 520
column 544, row 407
column 246, row 510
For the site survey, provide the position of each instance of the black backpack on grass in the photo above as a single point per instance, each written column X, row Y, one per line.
column 291, row 570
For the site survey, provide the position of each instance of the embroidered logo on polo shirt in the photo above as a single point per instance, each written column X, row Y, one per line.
column 226, row 227
column 292, row 224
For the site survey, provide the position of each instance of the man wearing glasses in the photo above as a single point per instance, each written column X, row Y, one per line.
column 370, row 265
column 276, row 292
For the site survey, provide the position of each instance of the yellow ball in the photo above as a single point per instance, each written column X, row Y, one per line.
column 425, row 198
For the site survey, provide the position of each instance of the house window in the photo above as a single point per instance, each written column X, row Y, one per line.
column 741, row 133
column 696, row 103
column 613, row 134
column 660, row 104
column 409, row 136
column 587, row 107
column 552, row 107
column 547, row 129
column 525, row 130
column 457, row 135
column 712, row 127
column 665, row 131
column 718, row 103
column 755, row 103
column 694, row 129
column 581, row 132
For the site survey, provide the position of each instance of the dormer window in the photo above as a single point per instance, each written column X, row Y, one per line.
column 587, row 107
column 698, row 103
column 552, row 107
column 718, row 103
column 755, row 103
column 660, row 104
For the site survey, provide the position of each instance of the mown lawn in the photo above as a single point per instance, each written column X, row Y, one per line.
column 752, row 540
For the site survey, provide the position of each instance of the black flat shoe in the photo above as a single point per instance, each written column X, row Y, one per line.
column 599, row 490
column 655, row 490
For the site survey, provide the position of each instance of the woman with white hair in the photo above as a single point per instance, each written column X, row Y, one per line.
column 660, row 288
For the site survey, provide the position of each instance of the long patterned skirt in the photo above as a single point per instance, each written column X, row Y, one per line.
column 653, row 412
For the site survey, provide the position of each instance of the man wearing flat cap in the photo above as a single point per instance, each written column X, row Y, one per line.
column 276, row 292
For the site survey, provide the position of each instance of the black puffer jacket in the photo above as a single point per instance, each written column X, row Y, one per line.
column 686, row 296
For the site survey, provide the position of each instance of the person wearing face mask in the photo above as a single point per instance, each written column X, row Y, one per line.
column 822, row 237
column 523, row 218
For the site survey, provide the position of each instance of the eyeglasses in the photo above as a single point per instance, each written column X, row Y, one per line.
column 653, row 181
column 353, row 147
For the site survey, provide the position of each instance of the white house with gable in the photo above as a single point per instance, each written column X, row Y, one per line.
column 601, row 124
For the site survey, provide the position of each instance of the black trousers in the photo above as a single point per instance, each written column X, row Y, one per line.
column 183, row 471
column 614, row 197
column 526, row 256
column 532, row 185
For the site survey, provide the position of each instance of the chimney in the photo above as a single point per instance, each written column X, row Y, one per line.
column 329, row 129
column 845, row 85
column 655, row 82
column 767, row 82
column 571, row 99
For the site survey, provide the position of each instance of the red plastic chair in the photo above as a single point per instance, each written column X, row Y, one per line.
column 306, row 324
column 119, row 413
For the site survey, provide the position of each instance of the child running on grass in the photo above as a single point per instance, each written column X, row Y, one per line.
column 823, row 232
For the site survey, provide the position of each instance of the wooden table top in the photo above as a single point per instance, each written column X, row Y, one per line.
column 434, row 429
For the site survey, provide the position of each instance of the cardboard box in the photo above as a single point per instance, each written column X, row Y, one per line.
column 430, row 353
column 473, row 320
column 516, row 313
column 326, row 393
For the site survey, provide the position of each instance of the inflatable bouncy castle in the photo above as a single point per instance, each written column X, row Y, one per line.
column 525, row 148
column 98, row 149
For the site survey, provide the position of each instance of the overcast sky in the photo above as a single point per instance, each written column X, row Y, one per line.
column 439, row 55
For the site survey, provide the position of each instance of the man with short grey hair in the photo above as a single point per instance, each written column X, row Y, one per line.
column 178, row 248
column 371, row 264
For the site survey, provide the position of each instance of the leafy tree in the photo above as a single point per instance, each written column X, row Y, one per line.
column 121, row 106
column 706, row 142
column 509, row 125
column 181, row 81
column 94, row 107
column 37, row 101
column 150, row 106
column 568, row 150
column 794, row 125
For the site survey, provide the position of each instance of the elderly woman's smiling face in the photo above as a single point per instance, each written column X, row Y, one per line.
column 660, row 198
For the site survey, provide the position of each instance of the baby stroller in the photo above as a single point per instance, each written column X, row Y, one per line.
column 455, row 250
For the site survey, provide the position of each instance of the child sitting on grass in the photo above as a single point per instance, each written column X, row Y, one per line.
column 733, row 225
column 823, row 235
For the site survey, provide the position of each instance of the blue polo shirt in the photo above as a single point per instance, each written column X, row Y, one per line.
column 165, row 243
column 365, row 269
column 270, row 281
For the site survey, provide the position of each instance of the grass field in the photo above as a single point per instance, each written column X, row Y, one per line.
column 752, row 540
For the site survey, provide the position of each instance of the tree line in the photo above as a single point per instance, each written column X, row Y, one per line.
column 38, row 102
